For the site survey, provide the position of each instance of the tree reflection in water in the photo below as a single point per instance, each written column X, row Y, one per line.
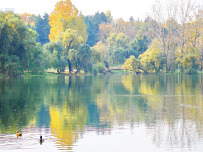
column 170, row 107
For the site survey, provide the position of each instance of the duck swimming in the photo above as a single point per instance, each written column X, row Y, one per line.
column 18, row 134
column 41, row 140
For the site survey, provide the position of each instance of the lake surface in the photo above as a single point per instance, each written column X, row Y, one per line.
column 117, row 113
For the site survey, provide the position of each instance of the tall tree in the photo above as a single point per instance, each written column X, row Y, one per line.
column 141, row 43
column 81, row 58
column 70, row 40
column 66, row 16
column 43, row 29
column 171, row 39
column 54, row 52
column 186, row 10
column 93, row 30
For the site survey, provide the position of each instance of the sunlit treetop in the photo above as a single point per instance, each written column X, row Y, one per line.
column 64, row 9
column 66, row 16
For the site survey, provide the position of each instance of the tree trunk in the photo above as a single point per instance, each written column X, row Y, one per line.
column 58, row 70
column 166, row 65
column 143, row 70
column 69, row 66
column 77, row 71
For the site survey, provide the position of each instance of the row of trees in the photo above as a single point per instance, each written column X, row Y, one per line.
column 67, row 39
column 177, row 41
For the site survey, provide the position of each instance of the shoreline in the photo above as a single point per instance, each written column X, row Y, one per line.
column 107, row 73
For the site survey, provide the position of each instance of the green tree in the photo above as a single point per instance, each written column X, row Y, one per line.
column 54, row 52
column 13, row 66
column 70, row 40
column 93, row 23
column 18, row 45
column 119, row 48
column 3, row 62
column 81, row 58
column 42, row 28
column 92, row 31
column 140, row 44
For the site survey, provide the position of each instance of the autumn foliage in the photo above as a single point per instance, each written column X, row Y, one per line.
column 66, row 16
column 76, row 42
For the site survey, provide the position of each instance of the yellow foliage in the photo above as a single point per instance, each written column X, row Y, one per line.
column 70, row 38
column 63, row 122
column 129, row 63
column 101, row 48
column 111, row 39
column 128, row 83
column 65, row 16
column 153, row 56
column 152, row 93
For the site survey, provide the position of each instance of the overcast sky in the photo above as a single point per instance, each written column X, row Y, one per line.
column 119, row 8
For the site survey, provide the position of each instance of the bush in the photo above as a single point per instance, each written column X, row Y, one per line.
column 13, row 67
column 191, row 71
column 98, row 68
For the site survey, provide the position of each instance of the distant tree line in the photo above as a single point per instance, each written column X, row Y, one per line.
column 66, row 39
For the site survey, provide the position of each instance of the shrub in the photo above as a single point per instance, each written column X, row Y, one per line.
column 191, row 71
column 13, row 67
column 98, row 68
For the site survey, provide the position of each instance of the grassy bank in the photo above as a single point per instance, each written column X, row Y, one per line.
column 200, row 72
column 28, row 74
column 111, row 72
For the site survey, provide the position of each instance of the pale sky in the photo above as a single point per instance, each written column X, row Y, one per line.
column 119, row 8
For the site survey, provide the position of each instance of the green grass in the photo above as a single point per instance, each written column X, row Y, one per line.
column 28, row 74
column 177, row 72
column 199, row 72
column 118, row 71
column 47, row 75
column 51, row 74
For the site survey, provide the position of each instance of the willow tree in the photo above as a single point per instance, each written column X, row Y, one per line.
column 153, row 58
column 132, row 64
column 70, row 40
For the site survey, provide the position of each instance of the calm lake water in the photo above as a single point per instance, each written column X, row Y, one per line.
column 117, row 113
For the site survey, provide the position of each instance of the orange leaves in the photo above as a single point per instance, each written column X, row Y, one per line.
column 29, row 18
column 105, row 30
